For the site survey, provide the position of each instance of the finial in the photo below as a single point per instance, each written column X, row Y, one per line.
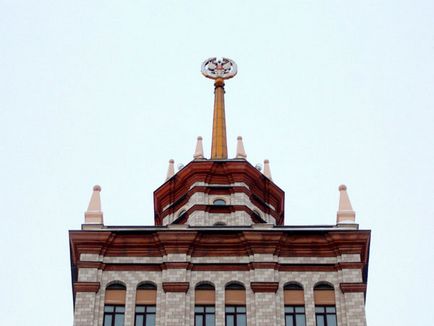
column 267, row 170
column 241, row 153
column 94, row 215
column 170, row 169
column 198, row 153
column 345, row 212
column 219, row 70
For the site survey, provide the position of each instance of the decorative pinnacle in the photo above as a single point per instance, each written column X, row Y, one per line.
column 345, row 212
column 219, row 70
column 198, row 153
column 170, row 169
column 267, row 169
column 241, row 153
column 94, row 215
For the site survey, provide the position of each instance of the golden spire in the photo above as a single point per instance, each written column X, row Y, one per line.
column 219, row 70
column 219, row 148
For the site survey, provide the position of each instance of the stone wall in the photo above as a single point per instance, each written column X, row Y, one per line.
column 263, row 308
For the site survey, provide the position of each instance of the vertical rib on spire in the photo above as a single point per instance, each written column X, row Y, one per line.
column 94, row 215
column 198, row 153
column 267, row 170
column 345, row 212
column 170, row 169
column 241, row 153
column 219, row 150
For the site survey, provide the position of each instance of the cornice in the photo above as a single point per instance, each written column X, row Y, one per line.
column 176, row 286
column 264, row 286
column 353, row 287
column 86, row 287
column 220, row 243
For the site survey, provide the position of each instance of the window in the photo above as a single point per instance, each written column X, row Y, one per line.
column 235, row 305
column 325, row 315
column 325, row 305
column 114, row 315
column 235, row 316
column 204, row 309
column 145, row 315
column 219, row 202
column 114, row 305
column 146, row 299
column 293, row 295
column 204, row 315
column 294, row 316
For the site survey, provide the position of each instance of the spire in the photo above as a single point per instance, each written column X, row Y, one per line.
column 219, row 70
column 241, row 153
column 94, row 215
column 345, row 212
column 198, row 153
column 170, row 169
column 267, row 170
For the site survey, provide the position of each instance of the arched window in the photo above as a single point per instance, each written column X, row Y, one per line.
column 204, row 306
column 325, row 304
column 293, row 296
column 114, row 305
column 235, row 304
column 219, row 202
column 146, row 301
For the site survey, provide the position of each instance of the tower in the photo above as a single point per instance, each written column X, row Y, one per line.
column 219, row 252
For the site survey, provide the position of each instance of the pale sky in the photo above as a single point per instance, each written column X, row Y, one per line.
column 106, row 92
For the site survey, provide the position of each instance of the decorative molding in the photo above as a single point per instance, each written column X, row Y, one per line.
column 172, row 193
column 352, row 287
column 176, row 286
column 90, row 264
column 209, row 243
column 132, row 267
column 86, row 287
column 176, row 265
column 264, row 286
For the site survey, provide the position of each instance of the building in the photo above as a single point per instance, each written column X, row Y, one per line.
column 219, row 252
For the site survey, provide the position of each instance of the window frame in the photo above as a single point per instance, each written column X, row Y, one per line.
column 204, row 314
column 235, row 313
column 219, row 202
column 325, row 314
column 113, row 314
column 294, row 314
column 145, row 314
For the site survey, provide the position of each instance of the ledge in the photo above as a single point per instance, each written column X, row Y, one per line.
column 86, row 287
column 264, row 286
column 353, row 287
column 176, row 286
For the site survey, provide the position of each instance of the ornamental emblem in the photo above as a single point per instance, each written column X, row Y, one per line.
column 219, row 69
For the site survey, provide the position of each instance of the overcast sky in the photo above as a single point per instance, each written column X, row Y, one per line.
column 106, row 92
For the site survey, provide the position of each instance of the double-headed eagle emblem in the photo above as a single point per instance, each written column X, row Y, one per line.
column 219, row 69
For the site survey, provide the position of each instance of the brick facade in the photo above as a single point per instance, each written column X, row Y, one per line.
column 177, row 308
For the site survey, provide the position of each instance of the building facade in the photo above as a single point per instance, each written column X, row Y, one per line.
column 219, row 252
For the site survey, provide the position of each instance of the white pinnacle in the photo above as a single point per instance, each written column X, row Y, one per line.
column 241, row 153
column 267, row 170
column 345, row 212
column 170, row 169
column 198, row 153
column 94, row 215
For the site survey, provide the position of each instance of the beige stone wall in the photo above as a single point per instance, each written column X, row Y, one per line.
column 175, row 308
column 206, row 219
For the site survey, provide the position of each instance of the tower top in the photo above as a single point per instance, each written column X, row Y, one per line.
column 219, row 70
